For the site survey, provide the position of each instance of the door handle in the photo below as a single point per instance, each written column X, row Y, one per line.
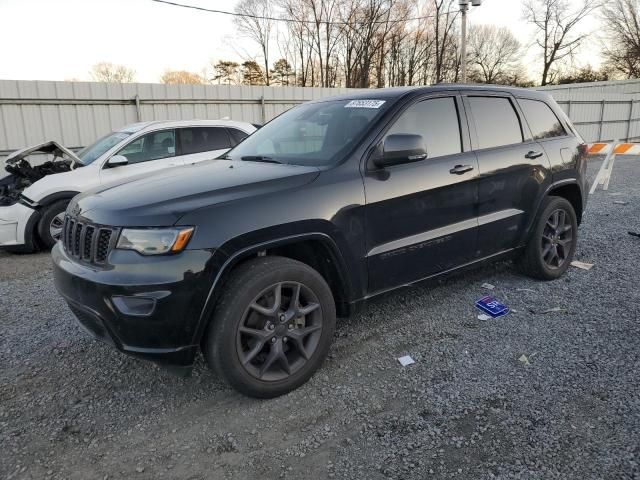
column 533, row 154
column 460, row 169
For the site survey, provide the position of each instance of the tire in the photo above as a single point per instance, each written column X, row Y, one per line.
column 538, row 260
column 53, row 213
column 302, row 334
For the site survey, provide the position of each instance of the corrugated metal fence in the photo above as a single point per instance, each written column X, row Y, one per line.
column 77, row 113
column 601, row 111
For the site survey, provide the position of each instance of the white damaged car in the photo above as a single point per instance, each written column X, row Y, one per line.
column 33, row 198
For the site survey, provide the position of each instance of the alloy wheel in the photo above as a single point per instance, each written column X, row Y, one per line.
column 55, row 227
column 557, row 239
column 280, row 331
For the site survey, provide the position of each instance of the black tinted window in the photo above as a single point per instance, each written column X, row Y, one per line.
column 237, row 135
column 203, row 139
column 541, row 119
column 496, row 121
column 436, row 120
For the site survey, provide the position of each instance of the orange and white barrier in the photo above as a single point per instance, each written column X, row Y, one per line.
column 611, row 150
column 619, row 149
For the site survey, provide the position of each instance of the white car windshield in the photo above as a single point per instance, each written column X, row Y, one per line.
column 89, row 154
column 313, row 134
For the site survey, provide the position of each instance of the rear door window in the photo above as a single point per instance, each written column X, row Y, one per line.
column 436, row 119
column 541, row 119
column 496, row 121
column 203, row 139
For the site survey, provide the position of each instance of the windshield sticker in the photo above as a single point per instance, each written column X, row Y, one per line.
column 364, row 104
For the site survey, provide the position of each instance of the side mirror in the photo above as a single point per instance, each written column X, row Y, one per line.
column 401, row 148
column 117, row 161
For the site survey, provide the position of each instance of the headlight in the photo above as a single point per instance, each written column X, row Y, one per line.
column 154, row 241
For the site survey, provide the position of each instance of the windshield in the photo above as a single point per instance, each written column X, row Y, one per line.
column 89, row 154
column 314, row 134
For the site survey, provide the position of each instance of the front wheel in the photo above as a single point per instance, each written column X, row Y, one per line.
column 272, row 327
column 552, row 244
column 51, row 222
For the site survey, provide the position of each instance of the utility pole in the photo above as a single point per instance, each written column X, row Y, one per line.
column 464, row 8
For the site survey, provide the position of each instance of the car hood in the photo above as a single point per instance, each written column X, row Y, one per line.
column 162, row 198
column 51, row 147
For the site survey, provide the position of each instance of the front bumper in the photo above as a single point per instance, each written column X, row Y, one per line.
column 16, row 225
column 148, row 307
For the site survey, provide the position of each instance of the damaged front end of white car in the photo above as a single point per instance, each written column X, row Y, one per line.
column 19, row 215
column 22, row 173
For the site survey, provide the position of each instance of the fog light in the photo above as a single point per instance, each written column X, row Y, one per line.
column 140, row 305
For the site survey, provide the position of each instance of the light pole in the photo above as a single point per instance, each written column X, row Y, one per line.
column 464, row 7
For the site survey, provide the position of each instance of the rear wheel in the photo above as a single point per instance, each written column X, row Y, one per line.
column 553, row 239
column 50, row 224
column 272, row 327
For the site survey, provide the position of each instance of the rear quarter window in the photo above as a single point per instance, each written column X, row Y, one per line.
column 237, row 135
column 541, row 119
column 203, row 139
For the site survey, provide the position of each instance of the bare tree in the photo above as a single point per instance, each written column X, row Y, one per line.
column 366, row 27
column 299, row 38
column 108, row 72
column 325, row 35
column 621, row 19
column 494, row 53
column 181, row 77
column 445, row 36
column 555, row 22
column 257, row 24
column 365, row 43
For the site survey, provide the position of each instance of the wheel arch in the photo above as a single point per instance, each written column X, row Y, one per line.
column 54, row 197
column 571, row 192
column 568, row 189
column 317, row 250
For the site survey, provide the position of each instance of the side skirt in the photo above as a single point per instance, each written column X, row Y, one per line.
column 357, row 305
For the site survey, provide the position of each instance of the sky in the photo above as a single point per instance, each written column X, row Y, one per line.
column 62, row 39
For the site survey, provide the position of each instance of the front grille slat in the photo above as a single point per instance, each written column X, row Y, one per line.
column 104, row 238
column 86, row 242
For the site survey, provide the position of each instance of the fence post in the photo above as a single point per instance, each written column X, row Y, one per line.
column 569, row 109
column 601, row 120
column 629, row 122
column 138, row 113
column 264, row 115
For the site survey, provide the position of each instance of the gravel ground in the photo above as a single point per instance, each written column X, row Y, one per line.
column 469, row 408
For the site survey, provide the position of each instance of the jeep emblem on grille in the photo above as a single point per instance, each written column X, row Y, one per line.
column 75, row 211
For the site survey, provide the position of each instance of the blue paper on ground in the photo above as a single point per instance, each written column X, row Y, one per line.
column 491, row 307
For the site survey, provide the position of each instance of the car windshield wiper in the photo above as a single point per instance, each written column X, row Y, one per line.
column 258, row 158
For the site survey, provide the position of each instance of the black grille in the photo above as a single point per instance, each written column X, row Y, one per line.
column 104, row 238
column 90, row 243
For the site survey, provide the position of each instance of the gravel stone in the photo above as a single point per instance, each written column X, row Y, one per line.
column 71, row 407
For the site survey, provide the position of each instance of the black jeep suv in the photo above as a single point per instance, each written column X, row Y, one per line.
column 251, row 257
